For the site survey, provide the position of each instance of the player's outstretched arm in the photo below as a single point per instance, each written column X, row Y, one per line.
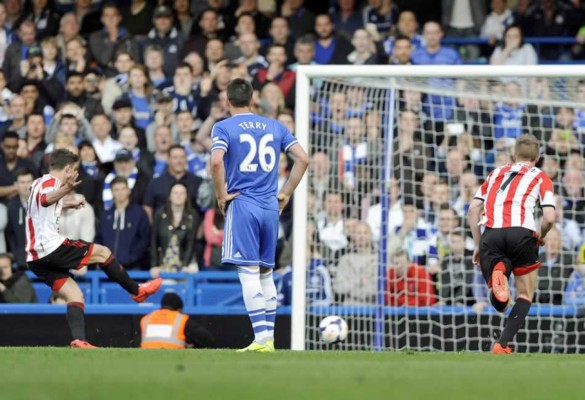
column 301, row 162
column 473, row 217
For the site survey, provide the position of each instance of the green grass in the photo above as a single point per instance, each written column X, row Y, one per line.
column 55, row 373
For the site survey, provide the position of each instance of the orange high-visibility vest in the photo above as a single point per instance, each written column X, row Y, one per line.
column 163, row 329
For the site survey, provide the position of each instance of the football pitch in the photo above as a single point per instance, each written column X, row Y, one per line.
column 55, row 373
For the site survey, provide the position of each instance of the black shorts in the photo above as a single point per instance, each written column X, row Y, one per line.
column 53, row 269
column 516, row 247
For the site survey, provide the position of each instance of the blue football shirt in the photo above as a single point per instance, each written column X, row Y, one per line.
column 252, row 144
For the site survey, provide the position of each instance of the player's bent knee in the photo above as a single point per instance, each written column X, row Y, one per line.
column 100, row 254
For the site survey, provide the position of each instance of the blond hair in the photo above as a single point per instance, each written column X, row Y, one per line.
column 527, row 148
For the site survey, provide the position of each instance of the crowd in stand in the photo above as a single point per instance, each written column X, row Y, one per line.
column 135, row 87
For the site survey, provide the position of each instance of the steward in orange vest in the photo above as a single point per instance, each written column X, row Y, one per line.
column 169, row 328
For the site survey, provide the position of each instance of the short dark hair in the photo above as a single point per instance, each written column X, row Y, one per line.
column 75, row 74
column 275, row 46
column 61, row 158
column 35, row 114
column 183, row 64
column 402, row 37
column 239, row 92
column 177, row 146
column 119, row 179
column 10, row 135
column 22, row 172
column 124, row 52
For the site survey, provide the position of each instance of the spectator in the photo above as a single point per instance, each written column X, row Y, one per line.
column 103, row 144
column 52, row 64
column 330, row 47
column 124, row 228
column 129, row 141
column 89, row 19
column 154, row 61
column 300, row 19
column 207, row 28
column 462, row 19
column 185, row 331
column 173, row 232
column 407, row 29
column 381, row 13
column 277, row 73
column 43, row 15
column 10, row 163
column 184, row 22
column 123, row 118
column 214, row 53
column 111, row 39
column 496, row 22
column 575, row 290
column 304, row 52
column 13, row 11
column 184, row 96
column 16, row 54
column 162, row 142
column 440, row 108
column 125, row 167
column 15, row 230
column 320, row 180
column 6, row 35
column 569, row 228
column 68, row 29
column 332, row 228
column 33, row 148
column 513, row 50
column 78, row 223
column 163, row 116
column 563, row 139
column 467, row 187
column 165, row 36
column 447, row 222
column 271, row 101
column 365, row 51
column 413, row 234
column 346, row 18
column 137, row 17
column 353, row 156
column 140, row 94
column 280, row 34
column 319, row 291
column 408, row 284
column 118, row 84
column 89, row 161
column 456, row 272
column 5, row 96
column 573, row 192
column 197, row 66
column 261, row 22
column 158, row 190
column 16, row 117
column 39, row 94
column 580, row 112
column 361, row 261
column 401, row 51
column 184, row 121
column 554, row 273
column 70, row 121
column 93, row 82
column 455, row 166
column 395, row 216
column 75, row 93
column 15, row 287
column 249, row 46
column 76, row 56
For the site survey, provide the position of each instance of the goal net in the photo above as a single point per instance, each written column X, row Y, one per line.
column 397, row 154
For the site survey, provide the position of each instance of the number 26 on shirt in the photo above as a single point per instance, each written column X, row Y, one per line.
column 266, row 154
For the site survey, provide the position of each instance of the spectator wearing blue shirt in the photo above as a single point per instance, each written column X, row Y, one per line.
column 381, row 13
column 438, row 107
column 579, row 123
column 125, row 167
column 125, row 229
column 185, row 97
column 407, row 27
column 330, row 47
column 346, row 19
column 140, row 94
column 157, row 191
column 163, row 140
column 167, row 37
column 575, row 290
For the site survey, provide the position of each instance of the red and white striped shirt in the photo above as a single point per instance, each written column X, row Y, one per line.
column 42, row 220
column 510, row 194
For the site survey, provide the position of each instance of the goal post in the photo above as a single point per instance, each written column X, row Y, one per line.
column 375, row 323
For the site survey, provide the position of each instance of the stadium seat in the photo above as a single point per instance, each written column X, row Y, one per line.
column 112, row 293
column 219, row 294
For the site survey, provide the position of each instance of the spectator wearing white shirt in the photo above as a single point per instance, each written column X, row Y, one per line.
column 395, row 216
column 496, row 22
column 103, row 144
column 513, row 50
column 78, row 223
column 569, row 228
column 331, row 229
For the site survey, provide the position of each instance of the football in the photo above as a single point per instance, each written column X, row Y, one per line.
column 333, row 329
